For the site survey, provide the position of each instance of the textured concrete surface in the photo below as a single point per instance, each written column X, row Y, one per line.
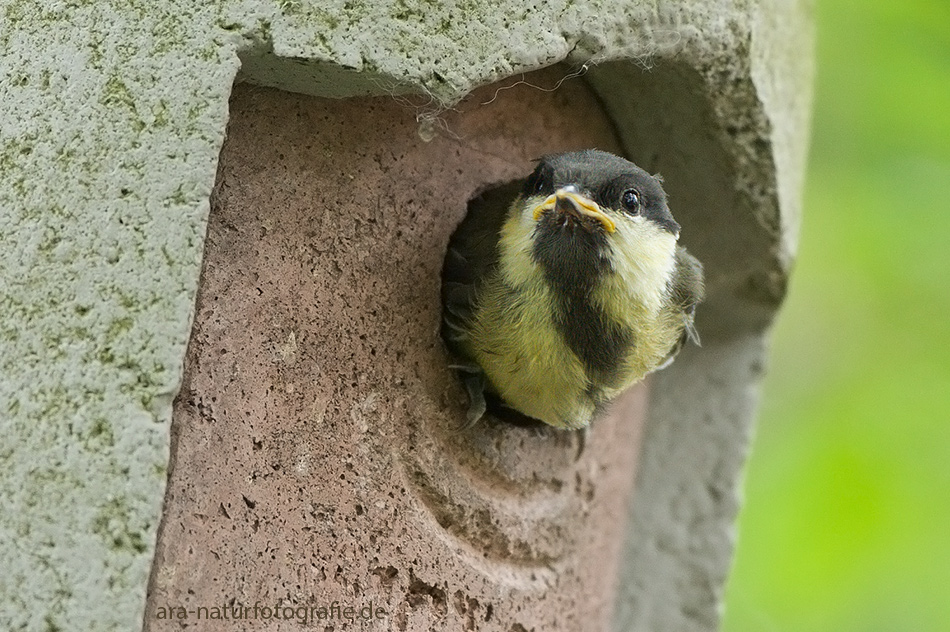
column 110, row 124
column 111, row 119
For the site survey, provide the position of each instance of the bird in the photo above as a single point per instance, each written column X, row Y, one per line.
column 562, row 290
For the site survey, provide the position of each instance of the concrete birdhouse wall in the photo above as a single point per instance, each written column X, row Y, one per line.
column 277, row 424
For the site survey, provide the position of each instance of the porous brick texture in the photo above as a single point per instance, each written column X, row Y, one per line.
column 318, row 449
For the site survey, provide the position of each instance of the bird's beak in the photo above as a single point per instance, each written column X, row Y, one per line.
column 568, row 200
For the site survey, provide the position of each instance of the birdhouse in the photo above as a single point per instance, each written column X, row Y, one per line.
column 249, row 342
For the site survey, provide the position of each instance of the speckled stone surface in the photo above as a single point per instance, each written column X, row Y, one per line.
column 318, row 450
column 112, row 116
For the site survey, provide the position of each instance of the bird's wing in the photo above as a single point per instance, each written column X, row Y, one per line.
column 471, row 256
column 687, row 291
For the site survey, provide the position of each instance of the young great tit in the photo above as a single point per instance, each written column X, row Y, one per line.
column 562, row 299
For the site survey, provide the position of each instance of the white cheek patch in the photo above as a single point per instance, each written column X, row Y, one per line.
column 515, row 245
column 645, row 258
column 644, row 254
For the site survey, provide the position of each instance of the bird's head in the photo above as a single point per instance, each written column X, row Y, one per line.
column 582, row 214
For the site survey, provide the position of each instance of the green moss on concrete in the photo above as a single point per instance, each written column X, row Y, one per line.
column 94, row 318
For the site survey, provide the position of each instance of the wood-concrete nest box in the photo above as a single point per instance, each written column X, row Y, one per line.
column 316, row 454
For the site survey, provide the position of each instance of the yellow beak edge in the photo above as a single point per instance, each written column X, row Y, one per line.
column 583, row 205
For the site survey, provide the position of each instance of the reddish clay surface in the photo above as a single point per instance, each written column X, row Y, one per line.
column 317, row 455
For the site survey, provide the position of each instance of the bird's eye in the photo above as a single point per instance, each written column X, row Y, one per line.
column 630, row 199
column 535, row 183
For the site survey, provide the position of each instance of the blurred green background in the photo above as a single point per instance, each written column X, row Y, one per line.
column 846, row 520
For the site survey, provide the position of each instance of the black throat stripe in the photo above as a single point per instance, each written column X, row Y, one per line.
column 600, row 344
column 574, row 265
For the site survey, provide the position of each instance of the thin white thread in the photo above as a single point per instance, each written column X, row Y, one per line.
column 580, row 72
